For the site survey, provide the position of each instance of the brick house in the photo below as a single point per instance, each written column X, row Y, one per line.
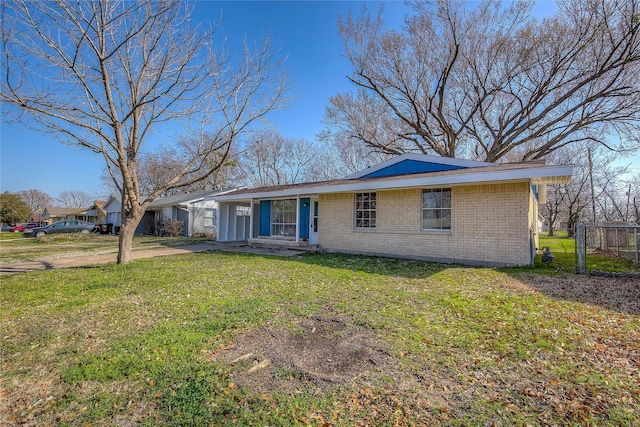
column 412, row 206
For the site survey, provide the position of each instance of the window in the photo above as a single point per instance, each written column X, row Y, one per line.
column 436, row 209
column 365, row 210
column 210, row 217
column 243, row 211
column 283, row 218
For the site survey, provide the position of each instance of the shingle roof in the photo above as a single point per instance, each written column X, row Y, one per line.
column 53, row 211
column 183, row 198
column 310, row 186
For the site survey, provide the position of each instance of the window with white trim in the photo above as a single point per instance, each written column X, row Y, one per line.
column 365, row 210
column 243, row 211
column 436, row 209
column 283, row 218
column 210, row 217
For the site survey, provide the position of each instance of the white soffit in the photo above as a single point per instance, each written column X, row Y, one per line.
column 551, row 180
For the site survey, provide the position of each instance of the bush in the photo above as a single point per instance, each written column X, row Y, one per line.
column 173, row 227
column 207, row 235
column 164, row 226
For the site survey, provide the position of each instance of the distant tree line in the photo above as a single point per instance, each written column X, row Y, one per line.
column 29, row 205
column 598, row 193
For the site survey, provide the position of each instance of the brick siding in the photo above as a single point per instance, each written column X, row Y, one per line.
column 490, row 225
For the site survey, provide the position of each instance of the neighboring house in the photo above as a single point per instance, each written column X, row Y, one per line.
column 412, row 206
column 95, row 213
column 112, row 208
column 561, row 223
column 38, row 217
column 540, row 222
column 59, row 214
column 198, row 212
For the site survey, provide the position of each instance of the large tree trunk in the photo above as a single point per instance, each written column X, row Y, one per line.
column 131, row 217
column 125, row 240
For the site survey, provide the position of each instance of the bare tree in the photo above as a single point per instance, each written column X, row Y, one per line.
column 155, row 169
column 569, row 201
column 343, row 156
column 272, row 159
column 634, row 199
column 613, row 202
column 552, row 209
column 576, row 199
column 36, row 199
column 74, row 199
column 105, row 75
column 490, row 81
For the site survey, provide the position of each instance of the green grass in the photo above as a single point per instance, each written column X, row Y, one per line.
column 59, row 245
column 5, row 235
column 563, row 248
column 476, row 346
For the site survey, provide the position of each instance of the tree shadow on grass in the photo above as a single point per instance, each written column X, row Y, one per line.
column 23, row 268
column 395, row 267
column 618, row 294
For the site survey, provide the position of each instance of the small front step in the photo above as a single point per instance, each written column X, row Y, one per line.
column 302, row 245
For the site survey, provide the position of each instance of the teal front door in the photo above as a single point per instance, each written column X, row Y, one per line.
column 305, row 210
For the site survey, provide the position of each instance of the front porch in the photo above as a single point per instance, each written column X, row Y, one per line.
column 275, row 222
column 262, row 247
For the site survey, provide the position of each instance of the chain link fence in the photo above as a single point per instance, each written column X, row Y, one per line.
column 621, row 241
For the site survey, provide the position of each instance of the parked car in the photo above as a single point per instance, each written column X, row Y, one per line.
column 21, row 227
column 72, row 226
column 6, row 227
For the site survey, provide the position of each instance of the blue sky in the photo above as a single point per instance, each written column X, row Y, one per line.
column 306, row 31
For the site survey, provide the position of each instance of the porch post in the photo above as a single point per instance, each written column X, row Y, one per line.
column 297, row 218
column 251, row 220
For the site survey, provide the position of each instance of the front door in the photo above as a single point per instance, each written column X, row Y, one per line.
column 313, row 227
column 304, row 218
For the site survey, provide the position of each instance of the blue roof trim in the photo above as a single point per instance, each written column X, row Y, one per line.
column 408, row 167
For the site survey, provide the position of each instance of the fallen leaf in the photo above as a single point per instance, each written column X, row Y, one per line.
column 264, row 364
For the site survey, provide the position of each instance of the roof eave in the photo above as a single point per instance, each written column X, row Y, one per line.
column 540, row 175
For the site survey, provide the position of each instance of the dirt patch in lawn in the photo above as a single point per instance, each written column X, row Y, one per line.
column 618, row 294
column 322, row 351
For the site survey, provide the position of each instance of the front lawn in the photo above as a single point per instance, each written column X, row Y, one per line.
column 7, row 235
column 327, row 340
column 15, row 249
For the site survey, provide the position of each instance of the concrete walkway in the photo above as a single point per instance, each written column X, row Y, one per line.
column 83, row 261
